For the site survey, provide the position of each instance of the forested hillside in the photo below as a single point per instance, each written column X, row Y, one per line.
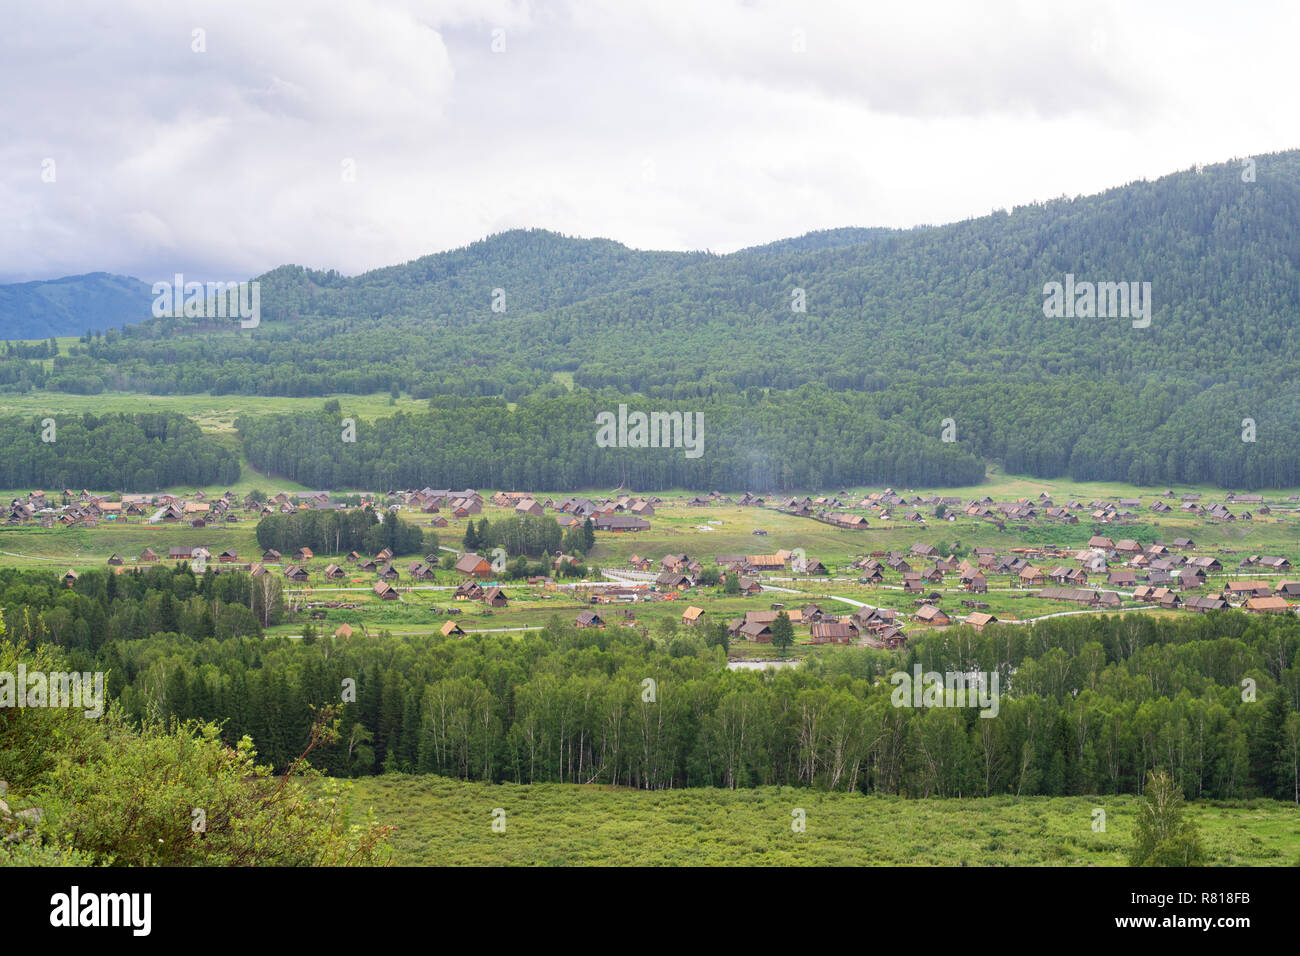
column 905, row 327
column 72, row 305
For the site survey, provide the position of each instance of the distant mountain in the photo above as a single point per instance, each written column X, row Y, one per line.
column 72, row 305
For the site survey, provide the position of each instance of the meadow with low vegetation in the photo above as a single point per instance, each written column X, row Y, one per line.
column 443, row 822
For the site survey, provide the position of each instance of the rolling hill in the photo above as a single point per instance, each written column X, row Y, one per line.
column 72, row 305
column 905, row 328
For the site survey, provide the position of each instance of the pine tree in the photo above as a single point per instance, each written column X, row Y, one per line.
column 408, row 750
column 1267, row 743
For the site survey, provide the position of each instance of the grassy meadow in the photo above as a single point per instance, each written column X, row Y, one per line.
column 445, row 822
column 215, row 414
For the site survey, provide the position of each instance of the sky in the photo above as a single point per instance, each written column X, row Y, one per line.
column 221, row 139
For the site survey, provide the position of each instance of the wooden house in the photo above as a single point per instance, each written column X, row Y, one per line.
column 929, row 614
column 474, row 565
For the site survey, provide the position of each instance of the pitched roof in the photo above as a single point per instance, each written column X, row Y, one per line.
column 833, row 630
column 767, row 617
column 468, row 562
column 1267, row 604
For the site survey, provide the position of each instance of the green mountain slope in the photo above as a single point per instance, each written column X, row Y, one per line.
column 72, row 305
column 905, row 327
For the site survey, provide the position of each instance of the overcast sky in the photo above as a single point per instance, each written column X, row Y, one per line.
column 667, row 125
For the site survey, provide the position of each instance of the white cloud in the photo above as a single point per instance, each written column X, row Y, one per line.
column 667, row 125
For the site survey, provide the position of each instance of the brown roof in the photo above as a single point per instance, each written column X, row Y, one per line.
column 929, row 612
column 767, row 617
column 1249, row 586
column 469, row 562
column 1267, row 604
column 837, row 630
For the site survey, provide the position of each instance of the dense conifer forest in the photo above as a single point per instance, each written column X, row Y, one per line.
column 137, row 453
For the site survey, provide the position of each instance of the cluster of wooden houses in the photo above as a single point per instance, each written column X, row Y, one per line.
column 1154, row 573
column 196, row 509
column 878, row 627
column 180, row 553
column 780, row 560
column 866, row 627
column 471, row 590
column 434, row 500
column 87, row 510
column 680, row 571
column 842, row 510
column 1256, row 597
column 621, row 513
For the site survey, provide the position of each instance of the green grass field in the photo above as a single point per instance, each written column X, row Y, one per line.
column 444, row 822
column 214, row 414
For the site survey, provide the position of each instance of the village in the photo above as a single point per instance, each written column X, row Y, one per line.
column 864, row 570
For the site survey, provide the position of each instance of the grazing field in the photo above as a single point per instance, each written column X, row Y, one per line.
column 81, row 547
column 443, row 822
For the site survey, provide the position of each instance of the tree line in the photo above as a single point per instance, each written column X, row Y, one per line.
column 102, row 610
column 532, row 535
column 813, row 439
column 140, row 452
column 1087, row 705
column 337, row 531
